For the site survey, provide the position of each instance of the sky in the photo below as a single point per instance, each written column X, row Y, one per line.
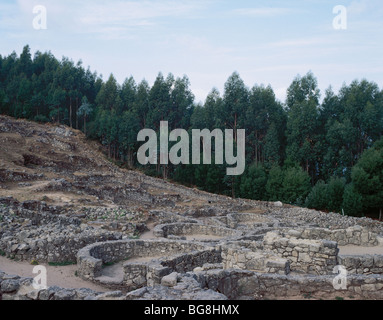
column 266, row 42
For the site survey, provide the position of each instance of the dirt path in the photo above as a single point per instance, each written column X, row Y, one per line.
column 203, row 237
column 356, row 250
column 149, row 234
column 114, row 274
column 63, row 277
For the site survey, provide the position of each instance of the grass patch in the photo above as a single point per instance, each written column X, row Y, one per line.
column 308, row 295
column 45, row 199
column 2, row 253
column 109, row 264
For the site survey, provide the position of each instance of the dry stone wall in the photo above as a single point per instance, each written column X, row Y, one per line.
column 309, row 256
column 186, row 229
column 272, row 255
column 362, row 264
column 165, row 257
column 237, row 284
column 29, row 232
column 246, row 259
column 355, row 235
column 235, row 220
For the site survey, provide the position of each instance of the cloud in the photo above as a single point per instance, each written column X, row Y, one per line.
column 357, row 7
column 299, row 42
column 117, row 11
column 110, row 19
column 263, row 12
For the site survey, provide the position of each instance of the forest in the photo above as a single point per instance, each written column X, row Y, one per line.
column 316, row 150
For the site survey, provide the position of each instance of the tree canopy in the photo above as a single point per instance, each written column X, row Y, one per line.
column 325, row 154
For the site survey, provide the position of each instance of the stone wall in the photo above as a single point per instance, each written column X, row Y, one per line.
column 185, row 229
column 60, row 249
column 52, row 243
column 362, row 264
column 298, row 217
column 39, row 213
column 246, row 259
column 355, row 235
column 168, row 256
column 250, row 219
column 241, row 284
column 32, row 230
column 309, row 256
column 136, row 275
column 182, row 263
column 234, row 284
column 19, row 288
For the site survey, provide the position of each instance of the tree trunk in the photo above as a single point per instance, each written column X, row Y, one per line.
column 256, row 147
column 235, row 128
column 76, row 113
column 130, row 162
column 85, row 125
column 70, row 112
column 165, row 172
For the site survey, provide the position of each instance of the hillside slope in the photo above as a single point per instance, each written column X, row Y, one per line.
column 58, row 165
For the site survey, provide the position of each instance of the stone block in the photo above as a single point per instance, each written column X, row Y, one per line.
column 378, row 261
column 304, row 257
column 294, row 233
column 10, row 286
column 368, row 287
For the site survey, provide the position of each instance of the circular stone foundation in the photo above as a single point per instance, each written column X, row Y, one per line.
column 194, row 231
column 249, row 220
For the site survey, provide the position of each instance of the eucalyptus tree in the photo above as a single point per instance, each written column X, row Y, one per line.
column 303, row 133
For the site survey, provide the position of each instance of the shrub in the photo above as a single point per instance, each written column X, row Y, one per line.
column 318, row 198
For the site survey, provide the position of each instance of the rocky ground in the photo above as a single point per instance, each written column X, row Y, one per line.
column 59, row 193
column 58, row 166
column 54, row 170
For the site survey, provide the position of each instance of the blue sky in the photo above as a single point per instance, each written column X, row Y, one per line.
column 267, row 42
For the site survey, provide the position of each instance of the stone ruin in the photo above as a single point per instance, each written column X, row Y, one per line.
column 274, row 252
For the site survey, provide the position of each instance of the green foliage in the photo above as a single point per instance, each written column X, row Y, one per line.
column 327, row 197
column 272, row 147
column 253, row 183
column 352, row 202
column 318, row 197
column 303, row 125
column 41, row 119
column 302, row 151
column 274, row 185
column 335, row 191
column 296, row 186
column 367, row 177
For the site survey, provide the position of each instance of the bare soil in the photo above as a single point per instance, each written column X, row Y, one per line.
column 62, row 276
column 357, row 250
